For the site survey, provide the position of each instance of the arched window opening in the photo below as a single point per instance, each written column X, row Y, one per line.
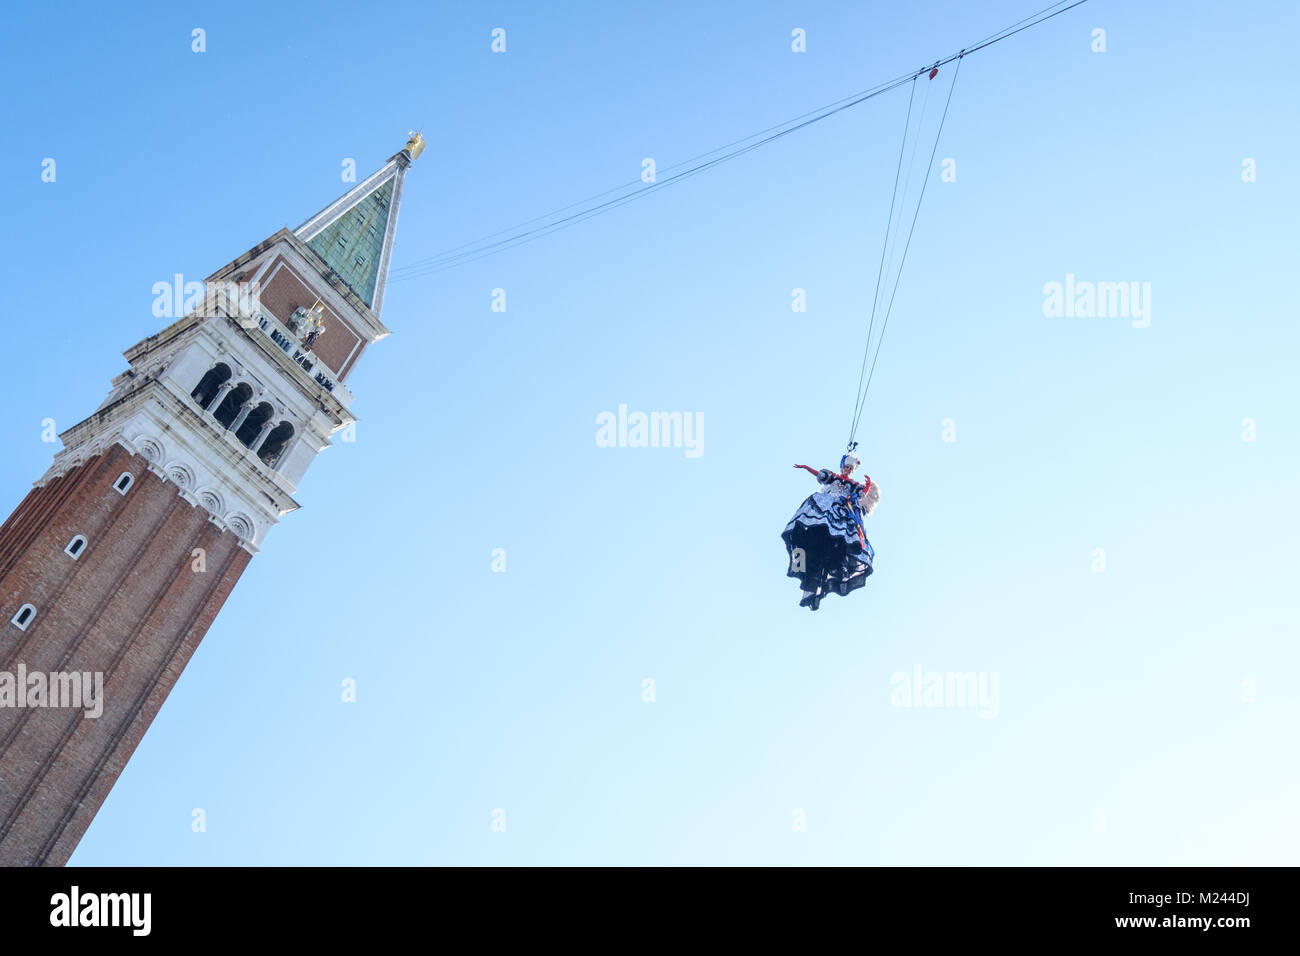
column 24, row 617
column 276, row 442
column 209, row 384
column 228, row 410
column 252, row 426
column 73, row 550
column 124, row 481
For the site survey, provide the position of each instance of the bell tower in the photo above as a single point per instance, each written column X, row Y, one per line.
column 119, row 558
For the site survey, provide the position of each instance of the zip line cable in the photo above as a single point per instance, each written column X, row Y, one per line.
column 892, row 240
column 480, row 248
column 640, row 186
column 875, row 298
column 861, row 404
column 451, row 260
column 634, row 184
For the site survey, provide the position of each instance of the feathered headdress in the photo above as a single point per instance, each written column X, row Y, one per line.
column 849, row 456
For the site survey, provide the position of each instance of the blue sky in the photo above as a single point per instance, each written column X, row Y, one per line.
column 1146, row 713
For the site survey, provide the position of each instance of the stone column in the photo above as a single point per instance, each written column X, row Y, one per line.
column 261, row 436
column 218, row 398
column 244, row 412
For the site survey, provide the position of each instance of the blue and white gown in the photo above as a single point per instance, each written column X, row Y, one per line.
column 828, row 552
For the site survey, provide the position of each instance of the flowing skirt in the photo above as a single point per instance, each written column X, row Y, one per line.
column 826, row 553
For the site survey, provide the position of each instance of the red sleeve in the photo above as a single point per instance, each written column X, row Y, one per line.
column 811, row 471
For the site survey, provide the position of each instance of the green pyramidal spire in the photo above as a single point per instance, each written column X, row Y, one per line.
column 352, row 244
column 354, row 234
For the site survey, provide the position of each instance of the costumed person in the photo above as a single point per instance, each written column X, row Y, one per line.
column 826, row 539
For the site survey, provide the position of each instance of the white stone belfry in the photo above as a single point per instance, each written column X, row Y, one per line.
column 234, row 401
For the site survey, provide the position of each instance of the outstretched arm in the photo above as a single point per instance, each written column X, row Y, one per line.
column 824, row 476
